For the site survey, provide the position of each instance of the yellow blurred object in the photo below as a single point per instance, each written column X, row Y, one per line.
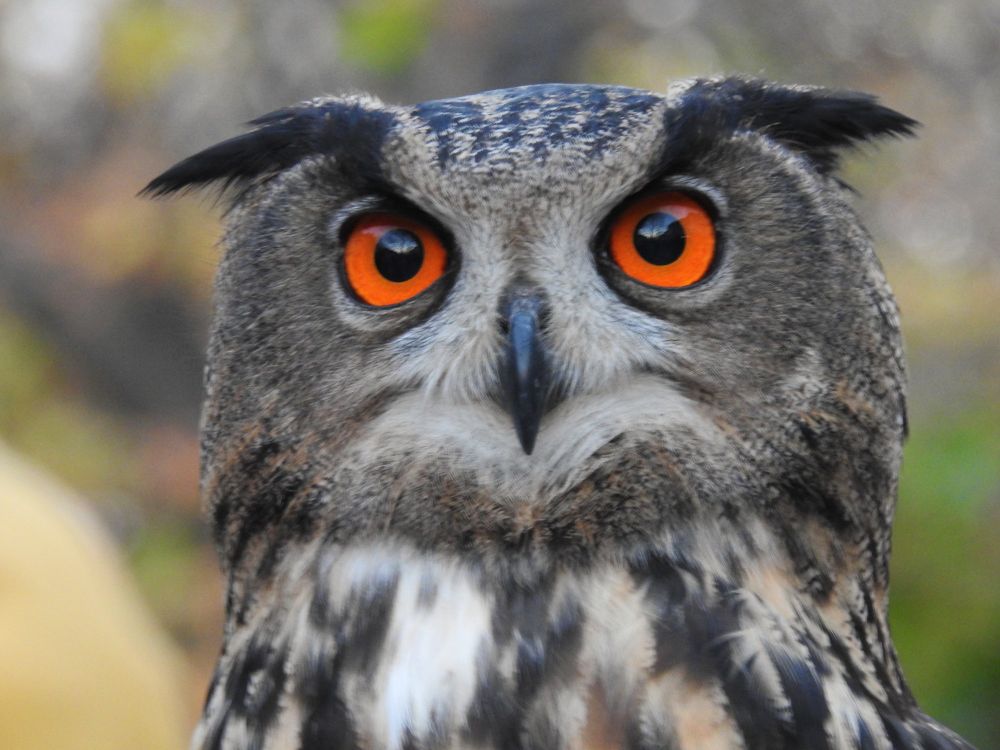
column 82, row 665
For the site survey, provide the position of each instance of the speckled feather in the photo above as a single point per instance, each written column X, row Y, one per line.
column 695, row 555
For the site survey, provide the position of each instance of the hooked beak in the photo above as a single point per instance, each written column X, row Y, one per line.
column 525, row 375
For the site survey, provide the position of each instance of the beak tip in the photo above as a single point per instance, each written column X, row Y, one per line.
column 527, row 441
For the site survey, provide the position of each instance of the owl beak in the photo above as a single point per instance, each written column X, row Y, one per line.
column 525, row 375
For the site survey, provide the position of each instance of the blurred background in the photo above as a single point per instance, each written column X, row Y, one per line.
column 104, row 298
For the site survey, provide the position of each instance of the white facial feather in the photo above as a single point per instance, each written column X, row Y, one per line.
column 479, row 437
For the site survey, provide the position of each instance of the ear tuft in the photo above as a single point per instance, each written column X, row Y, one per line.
column 818, row 122
column 280, row 140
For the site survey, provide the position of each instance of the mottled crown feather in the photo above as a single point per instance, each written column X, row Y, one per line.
column 814, row 121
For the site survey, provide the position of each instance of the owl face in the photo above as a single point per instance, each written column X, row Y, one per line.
column 526, row 290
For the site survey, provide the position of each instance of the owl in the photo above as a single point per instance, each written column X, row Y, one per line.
column 554, row 417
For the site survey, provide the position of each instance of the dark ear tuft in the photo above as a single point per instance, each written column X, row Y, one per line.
column 279, row 140
column 818, row 122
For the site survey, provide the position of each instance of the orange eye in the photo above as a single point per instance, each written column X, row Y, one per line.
column 665, row 240
column 390, row 259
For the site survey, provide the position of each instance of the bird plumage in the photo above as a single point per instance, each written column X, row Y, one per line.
column 687, row 549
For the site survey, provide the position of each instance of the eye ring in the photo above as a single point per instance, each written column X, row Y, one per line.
column 665, row 240
column 389, row 259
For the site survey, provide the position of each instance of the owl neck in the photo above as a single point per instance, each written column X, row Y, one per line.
column 804, row 534
column 821, row 525
column 716, row 608
column 790, row 577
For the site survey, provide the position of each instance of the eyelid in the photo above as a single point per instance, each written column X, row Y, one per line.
column 341, row 217
column 710, row 195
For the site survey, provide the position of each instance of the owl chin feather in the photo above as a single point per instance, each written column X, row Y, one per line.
column 561, row 416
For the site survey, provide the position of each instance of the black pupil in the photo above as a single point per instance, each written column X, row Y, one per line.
column 659, row 238
column 399, row 255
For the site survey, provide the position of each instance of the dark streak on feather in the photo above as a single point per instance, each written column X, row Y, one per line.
column 327, row 721
column 805, row 694
column 495, row 714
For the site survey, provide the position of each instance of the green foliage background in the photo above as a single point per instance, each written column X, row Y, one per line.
column 104, row 298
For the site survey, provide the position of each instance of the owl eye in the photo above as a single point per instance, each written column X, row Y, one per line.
column 389, row 259
column 665, row 240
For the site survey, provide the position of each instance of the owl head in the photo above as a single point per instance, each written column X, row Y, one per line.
column 552, row 322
